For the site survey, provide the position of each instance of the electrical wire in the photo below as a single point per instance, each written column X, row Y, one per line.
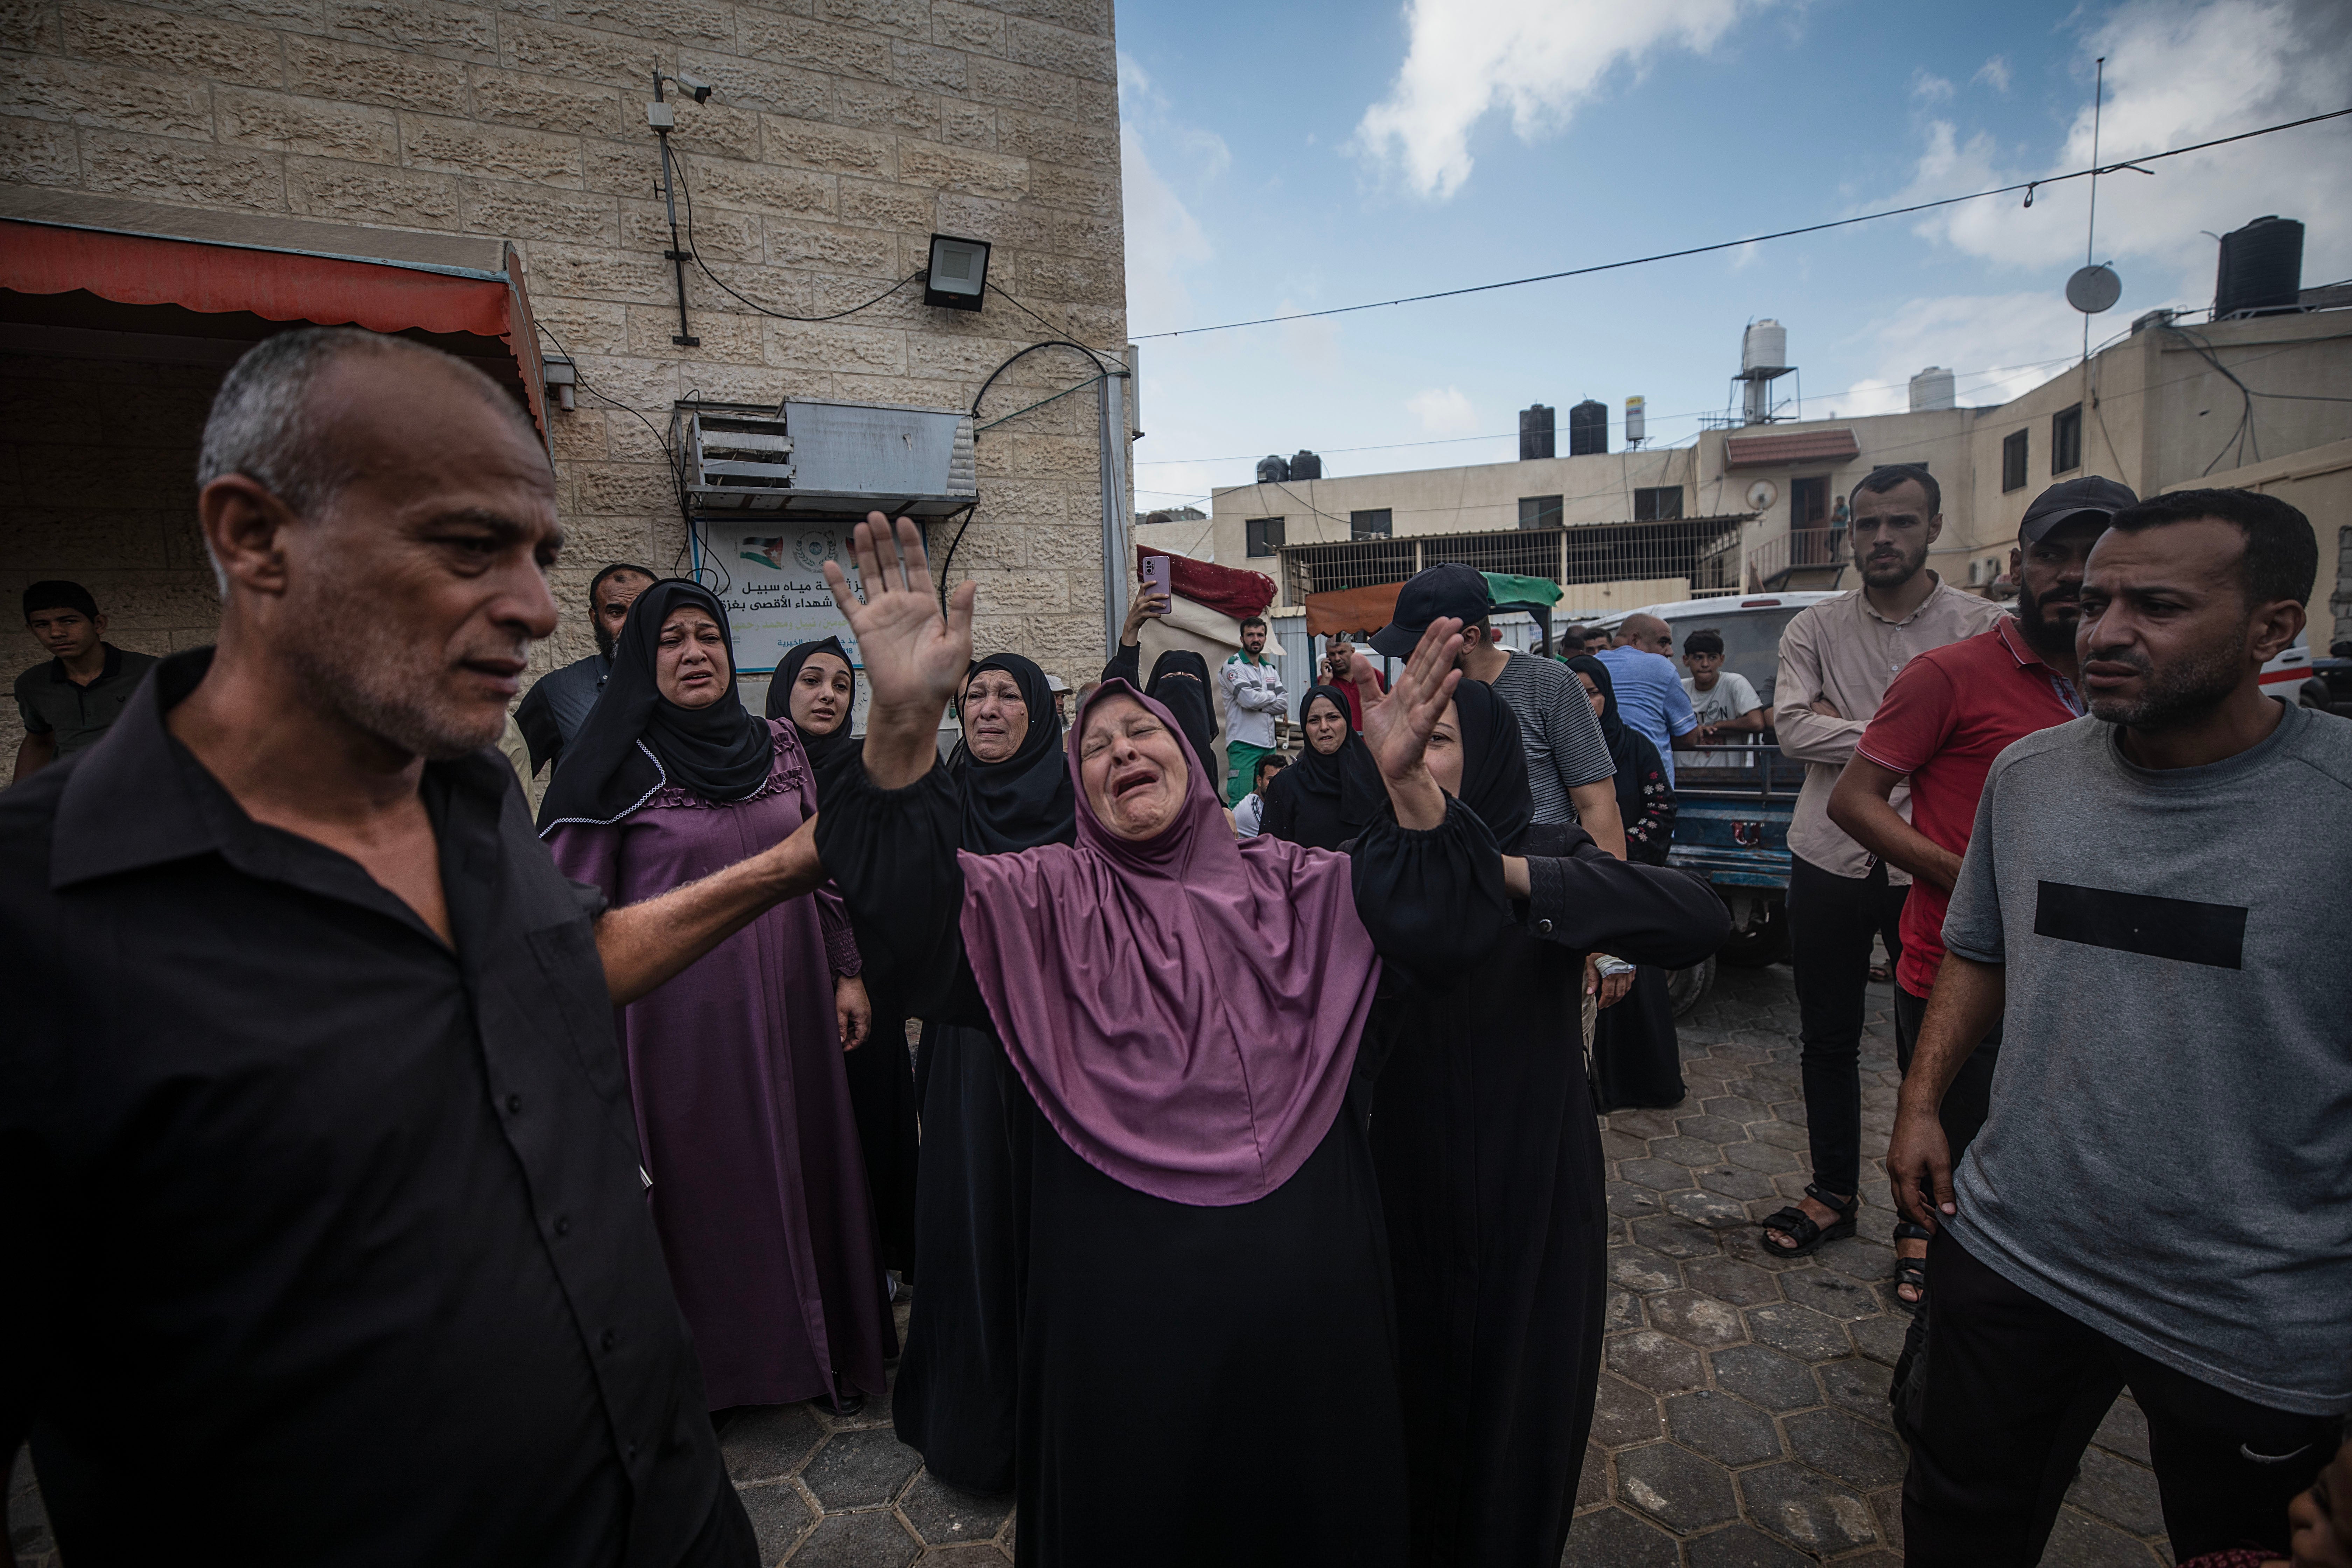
column 696, row 252
column 1081, row 386
column 1020, row 354
column 1994, row 372
column 2245, row 430
column 2028, row 186
column 669, row 460
column 1060, row 332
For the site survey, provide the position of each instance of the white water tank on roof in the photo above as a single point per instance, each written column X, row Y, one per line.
column 1764, row 347
column 1932, row 388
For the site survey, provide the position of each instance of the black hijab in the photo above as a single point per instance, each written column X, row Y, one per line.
column 635, row 740
column 1188, row 700
column 1320, row 775
column 1027, row 799
column 1494, row 762
column 826, row 753
column 1625, row 744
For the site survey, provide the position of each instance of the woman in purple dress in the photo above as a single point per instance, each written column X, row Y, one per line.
column 735, row 1067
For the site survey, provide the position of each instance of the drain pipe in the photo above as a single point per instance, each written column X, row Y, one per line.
column 1116, row 566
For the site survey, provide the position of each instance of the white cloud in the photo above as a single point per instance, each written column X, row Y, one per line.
column 1929, row 89
column 2177, row 72
column 1444, row 411
column 1994, row 74
column 1998, row 345
column 1163, row 238
column 1537, row 59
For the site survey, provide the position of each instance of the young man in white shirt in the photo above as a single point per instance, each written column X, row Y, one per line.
column 1254, row 699
column 1724, row 700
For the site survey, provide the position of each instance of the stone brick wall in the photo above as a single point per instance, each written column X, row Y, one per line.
column 97, row 483
column 841, row 134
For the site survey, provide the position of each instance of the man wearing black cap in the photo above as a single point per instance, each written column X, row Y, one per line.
column 67, row 703
column 1943, row 720
column 1568, row 767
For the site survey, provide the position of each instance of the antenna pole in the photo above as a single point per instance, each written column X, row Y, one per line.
column 2091, row 234
column 2098, row 93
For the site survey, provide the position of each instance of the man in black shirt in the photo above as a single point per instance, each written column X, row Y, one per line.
column 559, row 702
column 326, row 1202
column 69, row 702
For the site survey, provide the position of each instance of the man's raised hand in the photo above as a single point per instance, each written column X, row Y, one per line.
column 914, row 657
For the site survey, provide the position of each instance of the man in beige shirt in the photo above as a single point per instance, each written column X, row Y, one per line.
column 1836, row 659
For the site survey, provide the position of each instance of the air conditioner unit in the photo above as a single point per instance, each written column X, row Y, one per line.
column 1976, row 574
column 815, row 459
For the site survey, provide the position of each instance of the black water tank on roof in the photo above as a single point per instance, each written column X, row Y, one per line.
column 1537, row 433
column 2261, row 268
column 1306, row 466
column 1273, row 470
column 1588, row 428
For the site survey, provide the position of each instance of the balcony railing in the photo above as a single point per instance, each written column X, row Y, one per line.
column 1801, row 558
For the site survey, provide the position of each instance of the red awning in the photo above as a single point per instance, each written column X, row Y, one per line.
column 1796, row 447
column 279, row 281
column 1351, row 610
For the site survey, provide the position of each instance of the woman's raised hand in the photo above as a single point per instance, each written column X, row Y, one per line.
column 913, row 655
column 1397, row 724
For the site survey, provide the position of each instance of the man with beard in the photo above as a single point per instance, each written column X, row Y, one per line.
column 559, row 702
column 1836, row 659
column 311, row 1113
column 2160, row 1198
column 1943, row 720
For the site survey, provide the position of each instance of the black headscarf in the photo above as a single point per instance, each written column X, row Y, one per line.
column 826, row 753
column 635, row 740
column 1317, row 773
column 1494, row 762
column 1625, row 744
column 1188, row 700
column 1027, row 799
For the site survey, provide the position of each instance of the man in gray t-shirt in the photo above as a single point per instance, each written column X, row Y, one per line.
column 2162, row 1194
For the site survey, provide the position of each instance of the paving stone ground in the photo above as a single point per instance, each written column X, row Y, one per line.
column 1742, row 1420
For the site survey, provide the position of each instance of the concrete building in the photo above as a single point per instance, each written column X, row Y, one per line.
column 2169, row 406
column 496, row 162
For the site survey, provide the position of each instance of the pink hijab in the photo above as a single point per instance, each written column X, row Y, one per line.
column 1184, row 1009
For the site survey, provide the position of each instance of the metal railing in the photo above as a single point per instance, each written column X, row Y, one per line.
column 1703, row 550
column 1747, row 766
column 1810, row 551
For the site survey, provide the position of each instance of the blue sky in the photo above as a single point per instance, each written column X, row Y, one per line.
column 1296, row 156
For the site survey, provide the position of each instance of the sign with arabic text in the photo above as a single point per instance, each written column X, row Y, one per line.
column 771, row 576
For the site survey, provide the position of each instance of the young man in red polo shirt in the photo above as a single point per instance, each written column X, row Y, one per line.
column 1944, row 720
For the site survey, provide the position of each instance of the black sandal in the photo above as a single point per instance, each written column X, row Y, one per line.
column 1911, row 1271
column 1805, row 1235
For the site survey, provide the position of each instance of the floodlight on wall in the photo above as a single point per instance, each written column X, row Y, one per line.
column 959, row 273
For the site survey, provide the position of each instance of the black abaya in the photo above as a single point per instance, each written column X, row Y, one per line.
column 958, row 1382
column 1306, row 802
column 1152, row 1332
column 1636, row 1055
column 1489, row 1161
column 882, row 1099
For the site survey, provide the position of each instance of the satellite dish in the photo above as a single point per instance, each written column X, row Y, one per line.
column 1761, row 495
column 2094, row 289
